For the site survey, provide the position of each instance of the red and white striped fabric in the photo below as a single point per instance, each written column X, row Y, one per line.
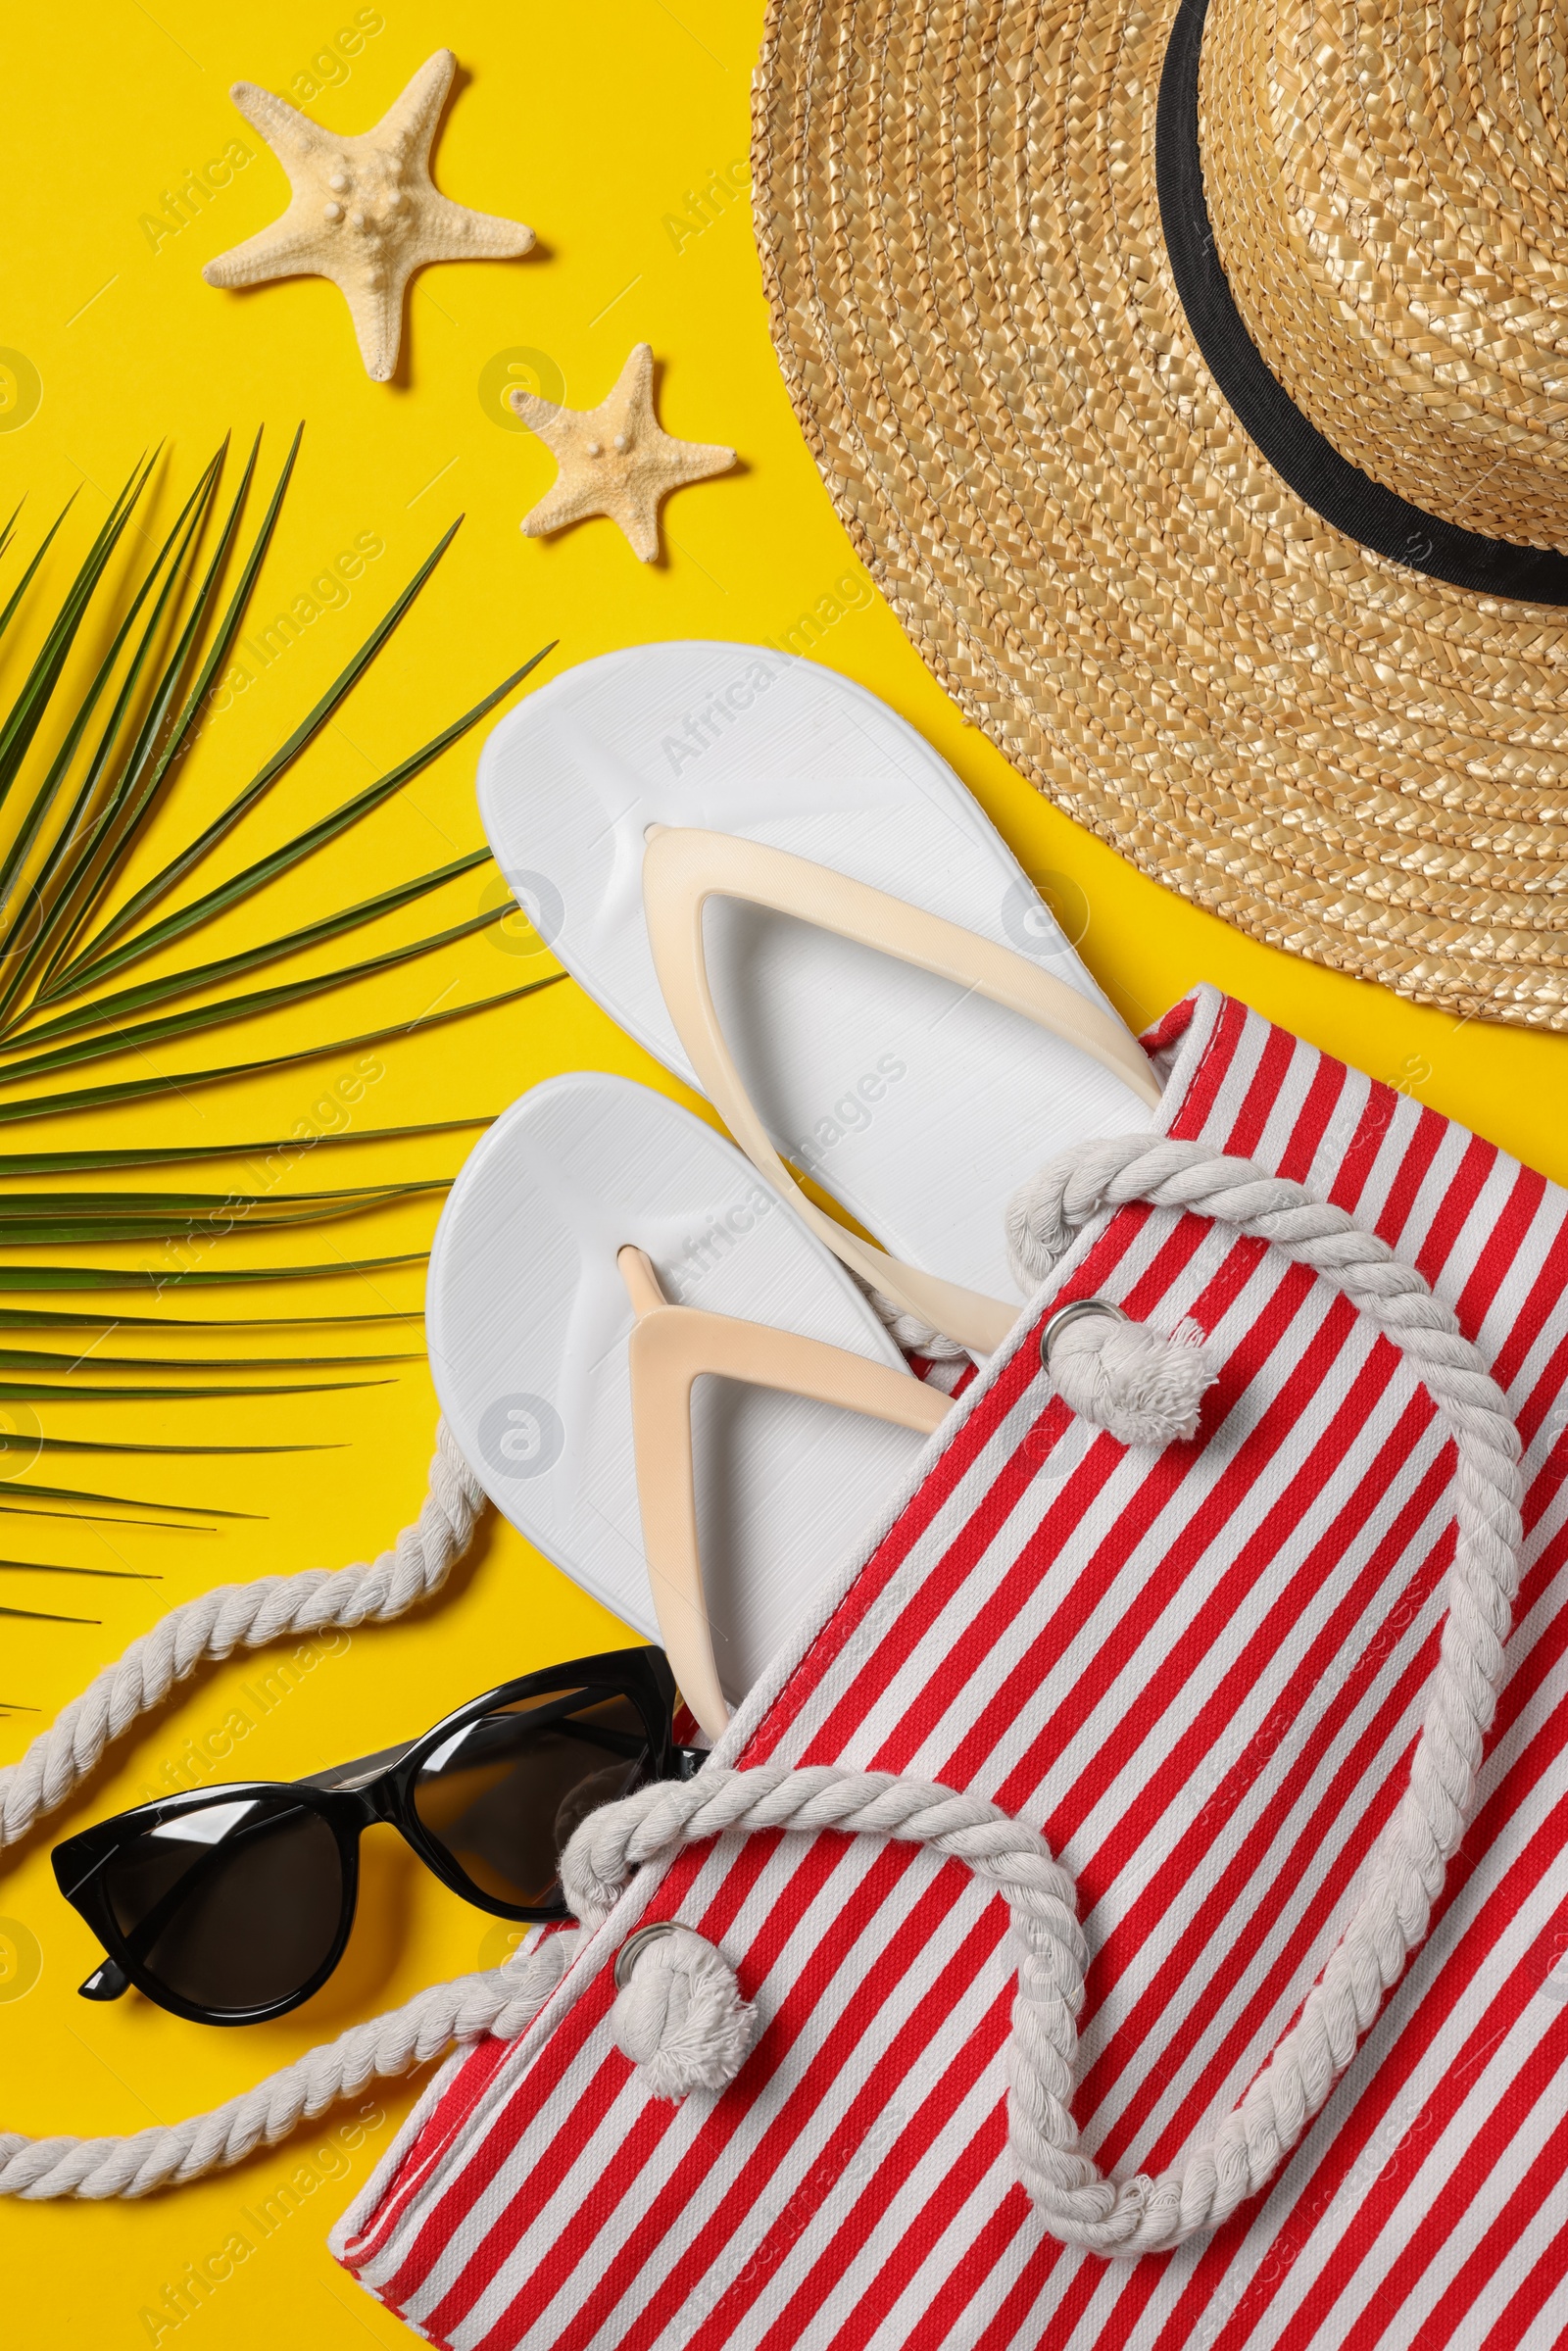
column 1200, row 1676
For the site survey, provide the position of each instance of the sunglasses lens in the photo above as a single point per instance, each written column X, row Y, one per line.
column 502, row 1796
column 233, row 1905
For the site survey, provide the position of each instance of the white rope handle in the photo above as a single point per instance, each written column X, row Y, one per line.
column 1406, row 1869
column 242, row 1616
column 247, row 1616
column 503, row 2001
column 1405, row 1872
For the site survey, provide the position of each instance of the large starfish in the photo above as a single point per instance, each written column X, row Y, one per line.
column 363, row 211
column 615, row 459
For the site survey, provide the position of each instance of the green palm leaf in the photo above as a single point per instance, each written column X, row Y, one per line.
column 140, row 1034
column 127, row 1090
column 162, row 734
column 32, row 935
column 170, row 1155
column 108, row 706
column 288, row 751
column 49, row 1616
column 26, row 712
column 129, row 1276
column 278, row 862
column 43, row 800
column 33, row 1359
column 39, row 1567
column 33, row 1220
column 33, row 1391
column 9, row 1497
column 21, row 1318
column 103, row 1444
column 274, row 950
column 14, row 600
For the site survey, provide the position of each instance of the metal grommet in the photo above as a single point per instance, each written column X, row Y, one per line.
column 631, row 1950
column 1064, row 1315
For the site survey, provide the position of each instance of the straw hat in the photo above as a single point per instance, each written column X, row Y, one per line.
column 1197, row 394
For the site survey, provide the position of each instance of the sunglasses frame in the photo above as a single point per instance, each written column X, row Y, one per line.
column 372, row 1796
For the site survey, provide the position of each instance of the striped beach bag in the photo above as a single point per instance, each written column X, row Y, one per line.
column 1214, row 1677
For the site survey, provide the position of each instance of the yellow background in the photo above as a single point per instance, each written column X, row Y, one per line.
column 596, row 127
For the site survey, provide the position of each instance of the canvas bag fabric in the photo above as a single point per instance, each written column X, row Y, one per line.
column 1201, row 1674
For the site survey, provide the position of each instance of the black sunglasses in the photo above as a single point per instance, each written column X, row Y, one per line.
column 235, row 1903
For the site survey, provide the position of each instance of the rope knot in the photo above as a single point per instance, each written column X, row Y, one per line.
column 678, row 2012
column 1145, row 1390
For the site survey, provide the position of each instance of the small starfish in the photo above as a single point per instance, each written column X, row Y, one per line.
column 365, row 211
column 615, row 459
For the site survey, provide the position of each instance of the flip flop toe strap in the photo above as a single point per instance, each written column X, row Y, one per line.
column 682, row 870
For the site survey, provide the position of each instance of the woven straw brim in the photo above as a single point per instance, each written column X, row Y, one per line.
column 956, row 210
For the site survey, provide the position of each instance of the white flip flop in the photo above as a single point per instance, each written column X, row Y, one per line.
column 864, row 1047
column 599, row 1251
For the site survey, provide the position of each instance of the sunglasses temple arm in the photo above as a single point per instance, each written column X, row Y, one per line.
column 108, row 1981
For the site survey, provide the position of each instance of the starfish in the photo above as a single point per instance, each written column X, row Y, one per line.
column 615, row 459
column 363, row 211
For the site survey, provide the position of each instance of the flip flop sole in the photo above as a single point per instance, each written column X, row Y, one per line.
column 919, row 1107
column 528, row 1319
